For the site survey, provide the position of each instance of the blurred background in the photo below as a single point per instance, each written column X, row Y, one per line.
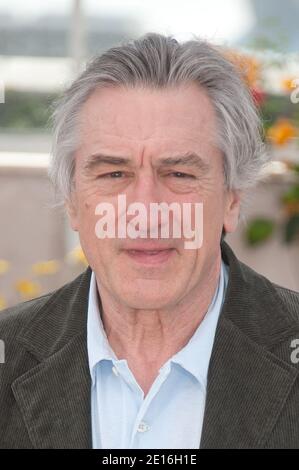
column 44, row 45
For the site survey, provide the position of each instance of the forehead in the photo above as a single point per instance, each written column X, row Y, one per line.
column 126, row 116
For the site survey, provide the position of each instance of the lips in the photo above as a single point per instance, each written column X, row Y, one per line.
column 148, row 252
column 149, row 246
column 150, row 255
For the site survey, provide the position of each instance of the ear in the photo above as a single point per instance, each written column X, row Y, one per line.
column 232, row 210
column 72, row 212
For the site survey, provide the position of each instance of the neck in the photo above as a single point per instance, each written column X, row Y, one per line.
column 152, row 336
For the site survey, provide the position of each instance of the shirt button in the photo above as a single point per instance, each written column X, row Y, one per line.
column 115, row 371
column 143, row 427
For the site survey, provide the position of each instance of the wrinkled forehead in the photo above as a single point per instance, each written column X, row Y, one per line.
column 143, row 114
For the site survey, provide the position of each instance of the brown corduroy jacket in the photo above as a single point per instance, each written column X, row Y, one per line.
column 253, row 378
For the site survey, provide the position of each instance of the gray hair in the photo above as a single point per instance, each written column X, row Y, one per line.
column 157, row 61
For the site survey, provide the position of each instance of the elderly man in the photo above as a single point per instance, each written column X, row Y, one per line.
column 155, row 345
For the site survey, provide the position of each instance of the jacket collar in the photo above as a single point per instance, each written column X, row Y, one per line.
column 250, row 372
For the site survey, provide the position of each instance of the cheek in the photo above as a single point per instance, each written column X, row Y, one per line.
column 213, row 215
column 87, row 221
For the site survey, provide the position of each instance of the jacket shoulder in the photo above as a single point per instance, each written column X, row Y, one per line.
column 290, row 299
column 14, row 319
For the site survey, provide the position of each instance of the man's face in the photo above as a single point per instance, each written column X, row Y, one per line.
column 140, row 129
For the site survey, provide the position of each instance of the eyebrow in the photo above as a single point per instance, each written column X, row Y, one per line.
column 100, row 158
column 188, row 159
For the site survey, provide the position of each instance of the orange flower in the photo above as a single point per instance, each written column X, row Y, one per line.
column 28, row 289
column 281, row 132
column 248, row 65
column 288, row 84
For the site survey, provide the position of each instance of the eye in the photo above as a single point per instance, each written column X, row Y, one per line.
column 116, row 174
column 113, row 174
column 179, row 174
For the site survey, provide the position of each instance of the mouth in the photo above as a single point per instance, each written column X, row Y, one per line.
column 150, row 257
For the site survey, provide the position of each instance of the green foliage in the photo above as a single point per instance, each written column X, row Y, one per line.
column 25, row 110
column 259, row 230
column 291, row 195
column 275, row 107
column 292, row 228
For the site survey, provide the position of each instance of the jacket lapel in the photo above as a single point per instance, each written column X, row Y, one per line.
column 250, row 373
column 247, row 388
column 54, row 396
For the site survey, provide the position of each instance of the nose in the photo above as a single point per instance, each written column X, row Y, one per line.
column 146, row 190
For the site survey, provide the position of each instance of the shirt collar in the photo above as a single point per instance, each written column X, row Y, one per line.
column 97, row 342
column 193, row 357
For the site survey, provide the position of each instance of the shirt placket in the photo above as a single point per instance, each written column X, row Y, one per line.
column 142, row 425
